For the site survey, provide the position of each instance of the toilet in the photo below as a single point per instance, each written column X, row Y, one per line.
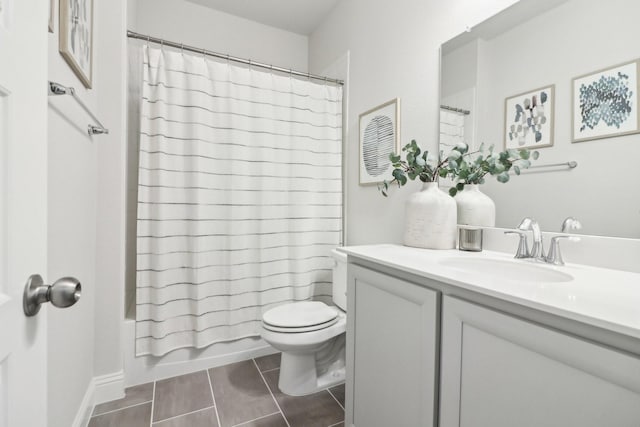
column 311, row 337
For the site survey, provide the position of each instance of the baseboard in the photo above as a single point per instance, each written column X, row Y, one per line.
column 86, row 406
column 100, row 389
column 108, row 387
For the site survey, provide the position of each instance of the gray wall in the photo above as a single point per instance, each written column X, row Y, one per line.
column 394, row 52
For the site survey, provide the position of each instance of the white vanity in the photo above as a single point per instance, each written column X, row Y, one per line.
column 449, row 338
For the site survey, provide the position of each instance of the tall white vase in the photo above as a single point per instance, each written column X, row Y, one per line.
column 430, row 219
column 475, row 207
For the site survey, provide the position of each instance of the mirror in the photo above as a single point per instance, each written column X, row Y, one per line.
column 542, row 44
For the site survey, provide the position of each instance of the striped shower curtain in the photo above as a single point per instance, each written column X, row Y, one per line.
column 239, row 198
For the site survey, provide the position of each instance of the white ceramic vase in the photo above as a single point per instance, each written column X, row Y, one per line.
column 475, row 207
column 430, row 219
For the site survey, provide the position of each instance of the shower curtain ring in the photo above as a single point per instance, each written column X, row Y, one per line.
column 182, row 48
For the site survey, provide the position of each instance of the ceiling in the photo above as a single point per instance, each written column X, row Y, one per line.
column 297, row 16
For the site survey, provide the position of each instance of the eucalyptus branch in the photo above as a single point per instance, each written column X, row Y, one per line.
column 464, row 166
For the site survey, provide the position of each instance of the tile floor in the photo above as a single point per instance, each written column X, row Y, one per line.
column 241, row 394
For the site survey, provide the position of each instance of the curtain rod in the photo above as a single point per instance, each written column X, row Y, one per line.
column 134, row 35
column 457, row 110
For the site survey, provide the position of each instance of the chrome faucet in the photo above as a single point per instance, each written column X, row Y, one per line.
column 523, row 245
column 537, row 250
column 568, row 225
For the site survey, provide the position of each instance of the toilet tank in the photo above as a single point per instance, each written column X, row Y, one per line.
column 339, row 279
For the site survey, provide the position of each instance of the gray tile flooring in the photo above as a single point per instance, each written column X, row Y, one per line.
column 240, row 394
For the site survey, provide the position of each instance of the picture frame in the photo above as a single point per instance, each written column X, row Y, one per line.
column 52, row 14
column 529, row 119
column 76, row 37
column 379, row 135
column 605, row 103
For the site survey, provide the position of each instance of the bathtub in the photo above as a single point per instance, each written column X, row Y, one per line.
column 144, row 369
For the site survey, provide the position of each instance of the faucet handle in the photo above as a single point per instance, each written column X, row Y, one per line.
column 555, row 257
column 523, row 246
column 570, row 224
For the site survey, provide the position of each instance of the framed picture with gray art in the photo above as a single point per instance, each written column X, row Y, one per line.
column 528, row 119
column 76, row 37
column 379, row 137
column 52, row 14
column 605, row 103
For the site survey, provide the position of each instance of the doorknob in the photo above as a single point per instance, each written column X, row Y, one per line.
column 63, row 293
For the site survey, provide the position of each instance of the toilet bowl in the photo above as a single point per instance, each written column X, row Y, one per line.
column 311, row 337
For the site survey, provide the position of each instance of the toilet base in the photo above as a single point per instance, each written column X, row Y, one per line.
column 298, row 375
column 306, row 372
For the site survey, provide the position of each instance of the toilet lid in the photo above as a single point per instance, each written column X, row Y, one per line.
column 303, row 314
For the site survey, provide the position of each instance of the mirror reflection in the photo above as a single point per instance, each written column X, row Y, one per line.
column 529, row 57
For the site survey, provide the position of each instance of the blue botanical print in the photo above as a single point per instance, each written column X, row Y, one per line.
column 608, row 99
column 529, row 117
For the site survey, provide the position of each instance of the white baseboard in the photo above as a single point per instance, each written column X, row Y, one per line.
column 100, row 389
column 86, row 406
column 108, row 387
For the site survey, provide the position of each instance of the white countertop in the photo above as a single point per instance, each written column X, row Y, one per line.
column 609, row 299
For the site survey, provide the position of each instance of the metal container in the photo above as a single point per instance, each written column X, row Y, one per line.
column 470, row 239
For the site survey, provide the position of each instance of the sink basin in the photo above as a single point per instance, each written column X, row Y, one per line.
column 520, row 271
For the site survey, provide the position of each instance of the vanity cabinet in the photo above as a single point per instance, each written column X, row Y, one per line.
column 501, row 371
column 392, row 344
column 421, row 352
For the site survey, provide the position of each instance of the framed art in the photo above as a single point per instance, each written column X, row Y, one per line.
column 52, row 13
column 528, row 119
column 379, row 137
column 605, row 103
column 76, row 37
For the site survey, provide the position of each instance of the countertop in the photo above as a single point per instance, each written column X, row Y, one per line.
column 605, row 298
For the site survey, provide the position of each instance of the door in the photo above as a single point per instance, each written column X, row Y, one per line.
column 394, row 348
column 501, row 371
column 23, row 208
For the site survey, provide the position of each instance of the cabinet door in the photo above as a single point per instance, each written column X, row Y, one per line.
column 500, row 371
column 394, row 326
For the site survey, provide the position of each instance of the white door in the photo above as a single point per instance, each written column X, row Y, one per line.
column 23, row 208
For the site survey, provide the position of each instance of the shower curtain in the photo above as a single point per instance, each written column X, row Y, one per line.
column 239, row 197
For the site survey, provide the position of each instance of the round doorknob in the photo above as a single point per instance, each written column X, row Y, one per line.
column 63, row 293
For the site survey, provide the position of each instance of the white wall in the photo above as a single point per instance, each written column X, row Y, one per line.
column 110, row 75
column 185, row 22
column 71, row 241
column 394, row 52
column 553, row 48
column 86, row 209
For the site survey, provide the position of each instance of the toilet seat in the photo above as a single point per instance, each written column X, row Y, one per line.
column 298, row 317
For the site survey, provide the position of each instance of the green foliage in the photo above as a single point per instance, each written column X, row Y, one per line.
column 463, row 166
column 473, row 168
column 419, row 165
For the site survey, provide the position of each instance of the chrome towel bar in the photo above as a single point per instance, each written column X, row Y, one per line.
column 56, row 89
column 570, row 165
